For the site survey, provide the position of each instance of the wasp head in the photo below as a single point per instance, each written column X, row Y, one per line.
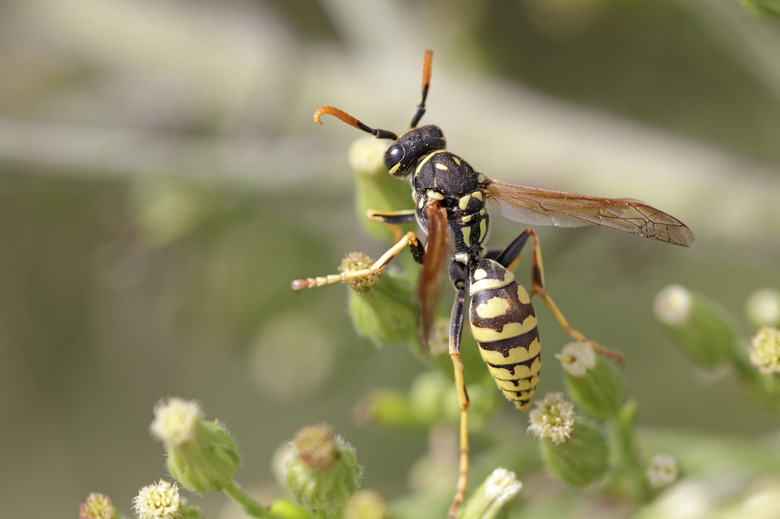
column 412, row 145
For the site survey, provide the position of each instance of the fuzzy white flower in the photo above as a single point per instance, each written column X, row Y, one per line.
column 175, row 421
column 577, row 358
column 158, row 501
column 662, row 470
column 765, row 350
column 553, row 419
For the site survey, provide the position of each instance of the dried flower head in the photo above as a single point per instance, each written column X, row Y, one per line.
column 158, row 501
column 358, row 261
column 765, row 350
column 97, row 506
column 553, row 418
column 175, row 421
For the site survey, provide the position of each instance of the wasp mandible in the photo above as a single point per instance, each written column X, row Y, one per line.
column 450, row 208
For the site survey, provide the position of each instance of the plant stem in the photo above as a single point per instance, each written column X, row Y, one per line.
column 249, row 505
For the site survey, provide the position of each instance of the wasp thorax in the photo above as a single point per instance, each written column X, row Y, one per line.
column 412, row 145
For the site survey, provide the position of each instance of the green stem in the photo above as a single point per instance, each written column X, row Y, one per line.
column 629, row 478
column 250, row 506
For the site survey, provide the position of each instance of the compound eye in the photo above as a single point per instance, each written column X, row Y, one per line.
column 393, row 156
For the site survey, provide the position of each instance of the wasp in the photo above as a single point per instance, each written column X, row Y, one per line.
column 450, row 207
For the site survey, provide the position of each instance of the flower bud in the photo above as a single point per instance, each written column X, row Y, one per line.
column 322, row 470
column 366, row 504
column 763, row 308
column 383, row 308
column 494, row 497
column 375, row 187
column 574, row 450
column 202, row 456
column 97, row 506
column 704, row 330
column 592, row 381
column 158, row 501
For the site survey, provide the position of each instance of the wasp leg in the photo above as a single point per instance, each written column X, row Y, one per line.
column 409, row 239
column 538, row 289
column 458, row 274
column 392, row 219
column 510, row 256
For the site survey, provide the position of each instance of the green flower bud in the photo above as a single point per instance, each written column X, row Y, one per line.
column 383, row 308
column 322, row 470
column 158, row 501
column 494, row 497
column 366, row 504
column 202, row 456
column 97, row 506
column 763, row 308
column 376, row 188
column 574, row 451
column 592, row 381
column 704, row 330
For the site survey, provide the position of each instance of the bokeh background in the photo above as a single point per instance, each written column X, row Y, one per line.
column 162, row 182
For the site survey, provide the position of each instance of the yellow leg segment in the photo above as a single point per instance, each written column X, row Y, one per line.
column 409, row 239
column 463, row 403
column 538, row 289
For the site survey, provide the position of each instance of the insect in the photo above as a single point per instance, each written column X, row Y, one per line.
column 450, row 208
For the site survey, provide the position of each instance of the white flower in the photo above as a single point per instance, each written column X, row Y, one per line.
column 158, row 501
column 553, row 418
column 175, row 421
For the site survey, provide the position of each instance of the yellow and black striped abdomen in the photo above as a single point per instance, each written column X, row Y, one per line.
column 503, row 323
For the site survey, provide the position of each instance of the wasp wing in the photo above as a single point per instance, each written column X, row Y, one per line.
column 432, row 269
column 544, row 207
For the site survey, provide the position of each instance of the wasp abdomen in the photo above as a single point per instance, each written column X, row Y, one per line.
column 503, row 323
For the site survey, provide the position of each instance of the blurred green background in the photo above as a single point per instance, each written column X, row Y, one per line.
column 163, row 182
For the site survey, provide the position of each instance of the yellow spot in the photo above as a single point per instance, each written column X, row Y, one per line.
column 466, row 234
column 510, row 330
column 482, row 230
column 480, row 274
column 522, row 295
column 462, row 257
column 456, row 159
column 493, row 307
column 421, row 202
column 435, row 195
column 480, row 178
column 395, row 168
column 477, row 195
column 441, row 166
column 467, row 218
column 463, row 203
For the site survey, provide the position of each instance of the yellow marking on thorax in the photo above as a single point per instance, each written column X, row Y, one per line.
column 516, row 355
column 463, row 203
column 434, row 195
column 466, row 235
column 426, row 159
column 456, row 159
column 442, row 167
column 493, row 307
column 482, row 230
column 480, row 274
column 510, row 330
column 480, row 178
